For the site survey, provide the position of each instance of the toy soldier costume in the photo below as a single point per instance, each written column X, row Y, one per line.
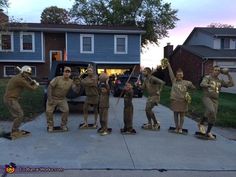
column 211, row 85
column 179, row 97
column 14, row 88
column 90, row 84
column 103, row 107
column 57, row 91
column 128, row 110
column 153, row 87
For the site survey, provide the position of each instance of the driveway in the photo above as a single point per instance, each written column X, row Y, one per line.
column 81, row 150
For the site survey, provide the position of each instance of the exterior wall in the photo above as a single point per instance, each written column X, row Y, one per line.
column 168, row 50
column 44, row 42
column 17, row 55
column 41, row 73
column 3, row 17
column 199, row 38
column 208, row 67
column 189, row 63
column 103, row 49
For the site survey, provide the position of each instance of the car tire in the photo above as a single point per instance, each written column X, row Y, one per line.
column 140, row 95
column 115, row 95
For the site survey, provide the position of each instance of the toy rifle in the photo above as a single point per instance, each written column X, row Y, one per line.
column 125, row 85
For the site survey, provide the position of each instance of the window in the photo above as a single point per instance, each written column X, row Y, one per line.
column 86, row 43
column 27, row 42
column 11, row 71
column 121, row 44
column 225, row 43
column 6, row 41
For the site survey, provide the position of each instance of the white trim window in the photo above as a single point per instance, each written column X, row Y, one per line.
column 120, row 44
column 6, row 42
column 27, row 42
column 86, row 43
column 225, row 43
column 10, row 70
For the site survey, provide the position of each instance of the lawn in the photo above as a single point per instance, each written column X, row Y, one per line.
column 31, row 102
column 226, row 116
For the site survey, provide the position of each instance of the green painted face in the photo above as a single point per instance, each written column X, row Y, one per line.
column 179, row 75
column 216, row 71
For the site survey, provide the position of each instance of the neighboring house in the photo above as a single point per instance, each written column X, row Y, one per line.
column 204, row 48
column 38, row 45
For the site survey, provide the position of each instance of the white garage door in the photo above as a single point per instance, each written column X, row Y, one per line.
column 230, row 89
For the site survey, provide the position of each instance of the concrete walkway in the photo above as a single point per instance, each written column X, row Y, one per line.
column 148, row 150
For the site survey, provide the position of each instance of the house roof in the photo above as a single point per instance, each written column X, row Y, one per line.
column 208, row 53
column 74, row 28
column 216, row 32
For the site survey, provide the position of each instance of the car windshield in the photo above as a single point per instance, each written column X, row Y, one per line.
column 124, row 79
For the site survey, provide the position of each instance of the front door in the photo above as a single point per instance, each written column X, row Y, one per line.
column 55, row 55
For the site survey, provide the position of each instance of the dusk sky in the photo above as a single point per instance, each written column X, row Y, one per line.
column 192, row 13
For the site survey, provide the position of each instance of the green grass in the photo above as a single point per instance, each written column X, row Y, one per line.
column 31, row 103
column 226, row 112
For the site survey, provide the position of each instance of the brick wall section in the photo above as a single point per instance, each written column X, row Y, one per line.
column 168, row 50
column 208, row 67
column 3, row 17
column 42, row 69
column 189, row 63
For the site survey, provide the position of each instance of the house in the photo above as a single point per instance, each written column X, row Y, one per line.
column 38, row 45
column 204, row 48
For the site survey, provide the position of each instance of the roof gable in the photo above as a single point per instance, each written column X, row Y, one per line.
column 216, row 32
column 207, row 52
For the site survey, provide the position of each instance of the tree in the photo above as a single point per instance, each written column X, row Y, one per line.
column 154, row 16
column 4, row 3
column 219, row 25
column 55, row 15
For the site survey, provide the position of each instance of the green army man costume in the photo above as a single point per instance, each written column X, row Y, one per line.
column 128, row 109
column 153, row 87
column 57, row 90
column 104, row 91
column 14, row 88
column 211, row 85
column 90, row 84
column 179, row 97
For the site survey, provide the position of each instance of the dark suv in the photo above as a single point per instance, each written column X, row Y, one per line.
column 120, row 83
column 77, row 67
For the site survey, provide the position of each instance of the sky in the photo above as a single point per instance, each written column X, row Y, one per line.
column 192, row 13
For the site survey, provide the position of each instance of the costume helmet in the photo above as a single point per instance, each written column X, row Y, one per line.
column 26, row 69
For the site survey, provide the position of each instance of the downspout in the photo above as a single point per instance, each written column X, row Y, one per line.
column 203, row 64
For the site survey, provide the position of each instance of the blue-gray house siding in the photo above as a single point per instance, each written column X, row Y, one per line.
column 18, row 56
column 200, row 38
column 103, row 49
column 65, row 40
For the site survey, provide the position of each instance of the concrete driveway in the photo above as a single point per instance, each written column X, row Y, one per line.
column 146, row 151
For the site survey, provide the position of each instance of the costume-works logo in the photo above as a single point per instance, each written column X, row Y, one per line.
column 10, row 168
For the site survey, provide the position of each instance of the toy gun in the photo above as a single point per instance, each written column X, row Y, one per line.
column 215, row 86
column 188, row 97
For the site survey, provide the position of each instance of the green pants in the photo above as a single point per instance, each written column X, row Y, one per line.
column 62, row 105
column 211, row 107
column 15, row 111
column 128, row 117
column 103, row 116
column 151, row 102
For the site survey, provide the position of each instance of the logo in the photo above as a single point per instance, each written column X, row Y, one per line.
column 10, row 168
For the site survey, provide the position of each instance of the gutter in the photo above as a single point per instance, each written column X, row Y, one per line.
column 110, row 31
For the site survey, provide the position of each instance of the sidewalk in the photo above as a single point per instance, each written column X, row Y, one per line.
column 148, row 150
